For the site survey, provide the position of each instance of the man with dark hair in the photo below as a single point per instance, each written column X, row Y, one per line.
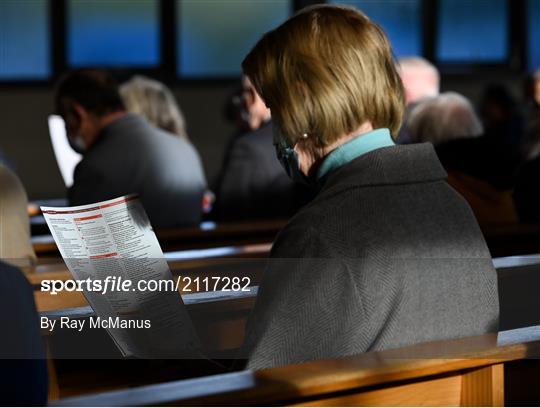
column 124, row 154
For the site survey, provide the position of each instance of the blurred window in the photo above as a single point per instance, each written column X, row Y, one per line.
column 214, row 36
column 25, row 48
column 113, row 33
column 400, row 19
column 534, row 34
column 472, row 31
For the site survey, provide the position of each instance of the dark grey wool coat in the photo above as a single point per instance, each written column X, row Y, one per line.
column 387, row 255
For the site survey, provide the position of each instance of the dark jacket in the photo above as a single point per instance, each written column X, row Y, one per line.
column 385, row 256
column 253, row 183
column 23, row 367
column 527, row 192
column 485, row 158
column 482, row 170
column 132, row 156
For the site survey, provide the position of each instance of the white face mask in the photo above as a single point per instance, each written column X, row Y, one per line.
column 78, row 144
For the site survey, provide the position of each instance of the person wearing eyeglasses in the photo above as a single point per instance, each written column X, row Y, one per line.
column 253, row 185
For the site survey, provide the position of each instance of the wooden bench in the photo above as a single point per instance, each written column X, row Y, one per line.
column 488, row 370
column 207, row 235
column 56, row 267
column 208, row 310
column 219, row 319
column 242, row 261
column 519, row 278
column 512, row 239
column 221, row 325
column 502, row 240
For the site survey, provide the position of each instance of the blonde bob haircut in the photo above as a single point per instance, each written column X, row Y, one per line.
column 325, row 72
column 155, row 102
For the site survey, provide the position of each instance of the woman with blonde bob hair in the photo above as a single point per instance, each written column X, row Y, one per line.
column 155, row 102
column 387, row 254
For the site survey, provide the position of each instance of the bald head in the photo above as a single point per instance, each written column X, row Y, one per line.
column 420, row 78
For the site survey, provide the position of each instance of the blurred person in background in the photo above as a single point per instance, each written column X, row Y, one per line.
column 252, row 182
column 450, row 122
column 536, row 77
column 532, row 100
column 444, row 118
column 124, row 154
column 501, row 116
column 254, row 111
column 527, row 184
column 531, row 147
column 239, row 106
column 15, row 244
column 155, row 102
column 421, row 80
column 23, row 362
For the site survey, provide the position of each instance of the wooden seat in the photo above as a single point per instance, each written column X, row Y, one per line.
column 241, row 261
column 477, row 371
column 502, row 240
column 512, row 239
column 208, row 310
column 220, row 322
column 219, row 319
column 207, row 235
column 517, row 280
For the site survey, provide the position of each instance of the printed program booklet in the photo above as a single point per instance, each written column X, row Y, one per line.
column 113, row 241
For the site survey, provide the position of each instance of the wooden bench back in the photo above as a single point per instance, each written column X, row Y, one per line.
column 475, row 371
column 208, row 235
column 221, row 323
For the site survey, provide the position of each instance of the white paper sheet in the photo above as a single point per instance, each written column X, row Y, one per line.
column 114, row 238
column 66, row 158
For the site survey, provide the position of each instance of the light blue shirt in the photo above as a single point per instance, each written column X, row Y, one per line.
column 354, row 148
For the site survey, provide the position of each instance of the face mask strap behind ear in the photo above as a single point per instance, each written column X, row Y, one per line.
column 288, row 157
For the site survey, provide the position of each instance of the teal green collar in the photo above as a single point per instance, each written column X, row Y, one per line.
column 355, row 148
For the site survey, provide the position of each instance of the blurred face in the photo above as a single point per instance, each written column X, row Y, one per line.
column 72, row 123
column 257, row 112
column 81, row 126
column 537, row 91
column 419, row 83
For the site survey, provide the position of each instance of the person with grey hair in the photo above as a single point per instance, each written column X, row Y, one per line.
column 450, row 123
column 155, row 102
column 421, row 80
column 446, row 117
